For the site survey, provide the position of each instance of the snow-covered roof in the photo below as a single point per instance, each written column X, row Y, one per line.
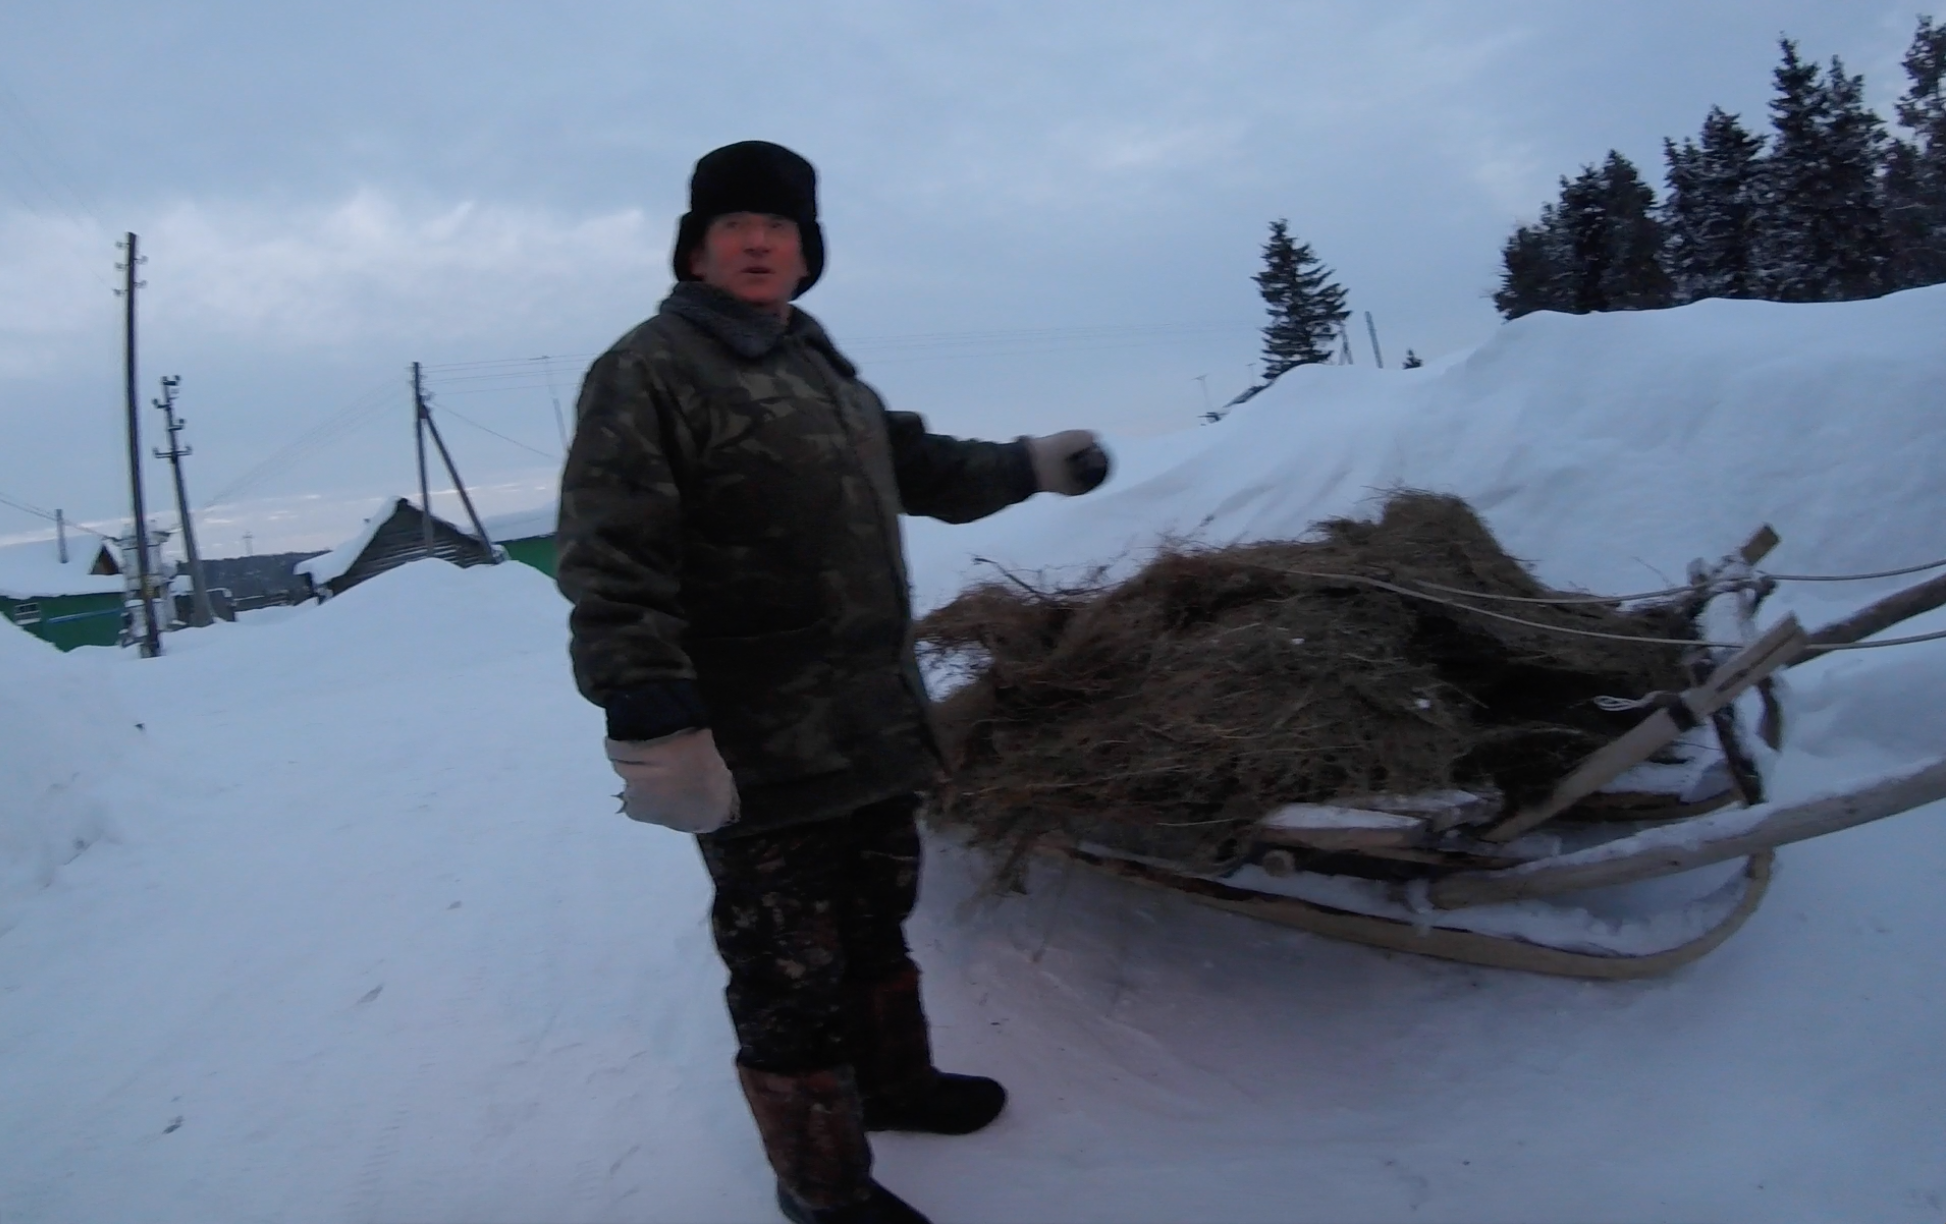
column 330, row 566
column 326, row 567
column 33, row 570
column 521, row 524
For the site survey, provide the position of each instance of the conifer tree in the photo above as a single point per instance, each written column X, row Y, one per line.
column 1306, row 307
column 1709, row 215
column 1597, row 248
column 1915, row 169
column 1580, row 245
column 1631, row 273
column 1822, row 233
column 1530, row 275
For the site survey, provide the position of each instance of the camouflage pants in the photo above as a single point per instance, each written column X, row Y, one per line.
column 801, row 913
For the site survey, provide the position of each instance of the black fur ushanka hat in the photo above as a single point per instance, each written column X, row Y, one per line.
column 753, row 176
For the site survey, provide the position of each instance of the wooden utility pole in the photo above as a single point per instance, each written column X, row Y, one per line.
column 425, row 425
column 150, row 631
column 61, row 535
column 199, row 609
column 560, row 421
column 419, row 440
column 1378, row 358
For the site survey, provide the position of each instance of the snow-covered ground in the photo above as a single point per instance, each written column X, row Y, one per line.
column 366, row 941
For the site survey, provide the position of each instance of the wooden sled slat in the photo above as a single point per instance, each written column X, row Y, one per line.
column 1642, row 808
column 1469, row 947
column 1798, row 822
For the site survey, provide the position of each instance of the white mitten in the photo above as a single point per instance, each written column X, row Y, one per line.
column 1069, row 463
column 678, row 781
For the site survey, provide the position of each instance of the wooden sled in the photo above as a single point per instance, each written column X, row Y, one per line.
column 1455, row 875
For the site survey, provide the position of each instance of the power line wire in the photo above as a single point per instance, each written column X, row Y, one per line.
column 496, row 433
column 45, row 149
column 358, row 412
column 25, row 507
column 1061, row 338
column 75, row 208
column 50, row 516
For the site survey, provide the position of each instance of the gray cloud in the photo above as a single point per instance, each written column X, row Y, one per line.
column 328, row 192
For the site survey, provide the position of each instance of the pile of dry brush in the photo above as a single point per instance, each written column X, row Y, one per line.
column 1167, row 712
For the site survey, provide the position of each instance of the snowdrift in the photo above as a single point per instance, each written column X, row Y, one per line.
column 66, row 744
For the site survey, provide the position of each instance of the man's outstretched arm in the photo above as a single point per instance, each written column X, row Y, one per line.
column 957, row 481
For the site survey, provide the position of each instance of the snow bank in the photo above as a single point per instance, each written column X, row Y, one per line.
column 422, row 623
column 64, row 737
column 1609, row 449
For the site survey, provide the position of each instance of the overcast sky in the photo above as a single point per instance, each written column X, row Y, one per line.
column 1039, row 215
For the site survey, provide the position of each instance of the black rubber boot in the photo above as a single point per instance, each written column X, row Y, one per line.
column 883, row 1207
column 812, row 1124
column 892, row 1052
column 948, row 1105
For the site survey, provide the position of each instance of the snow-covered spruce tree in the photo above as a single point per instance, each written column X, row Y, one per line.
column 1915, row 168
column 1821, row 224
column 1581, row 240
column 1630, row 246
column 1710, row 212
column 1532, row 276
column 1306, row 306
column 1597, row 248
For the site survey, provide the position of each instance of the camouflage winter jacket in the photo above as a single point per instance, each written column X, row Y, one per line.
column 729, row 537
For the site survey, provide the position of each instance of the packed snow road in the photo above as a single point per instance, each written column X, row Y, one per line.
column 366, row 940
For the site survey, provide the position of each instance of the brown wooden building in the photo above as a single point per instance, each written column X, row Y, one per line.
column 391, row 539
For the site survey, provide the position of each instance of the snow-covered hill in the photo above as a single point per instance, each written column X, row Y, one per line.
column 371, row 944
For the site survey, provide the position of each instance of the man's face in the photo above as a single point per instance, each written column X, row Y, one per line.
column 755, row 257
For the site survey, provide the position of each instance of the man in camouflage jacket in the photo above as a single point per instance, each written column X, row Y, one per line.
column 729, row 537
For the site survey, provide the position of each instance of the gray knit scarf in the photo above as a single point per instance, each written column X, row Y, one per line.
column 743, row 329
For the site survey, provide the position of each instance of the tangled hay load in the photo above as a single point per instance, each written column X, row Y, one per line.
column 1166, row 713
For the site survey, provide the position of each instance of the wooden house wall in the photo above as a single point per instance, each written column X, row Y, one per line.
column 537, row 551
column 68, row 621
